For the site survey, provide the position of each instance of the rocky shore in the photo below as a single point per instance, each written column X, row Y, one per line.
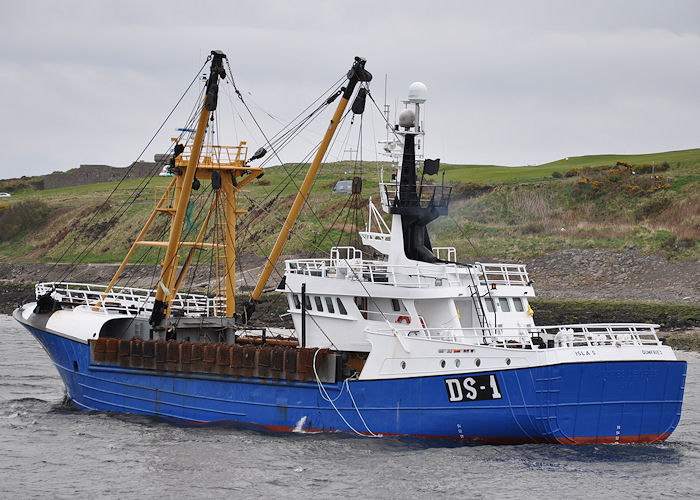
column 597, row 274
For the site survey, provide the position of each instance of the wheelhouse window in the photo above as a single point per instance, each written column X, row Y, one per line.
column 361, row 303
column 329, row 305
column 341, row 307
column 307, row 303
column 505, row 307
column 395, row 304
column 489, row 305
column 295, row 300
column 518, row 304
column 319, row 304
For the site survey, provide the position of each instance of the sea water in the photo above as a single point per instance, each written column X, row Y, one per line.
column 50, row 450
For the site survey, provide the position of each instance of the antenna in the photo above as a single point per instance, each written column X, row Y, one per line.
column 386, row 106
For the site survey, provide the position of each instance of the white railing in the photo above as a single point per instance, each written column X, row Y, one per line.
column 598, row 334
column 128, row 300
column 502, row 274
column 445, row 253
column 592, row 335
column 341, row 255
column 411, row 276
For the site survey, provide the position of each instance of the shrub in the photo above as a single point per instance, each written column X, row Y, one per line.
column 675, row 244
column 654, row 206
column 21, row 217
column 533, row 228
column 470, row 189
column 574, row 172
column 553, row 312
column 557, row 175
column 647, row 169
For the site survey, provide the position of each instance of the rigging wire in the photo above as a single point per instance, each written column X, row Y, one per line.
column 124, row 177
column 274, row 150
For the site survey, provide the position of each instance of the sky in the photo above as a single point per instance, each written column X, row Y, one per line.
column 509, row 82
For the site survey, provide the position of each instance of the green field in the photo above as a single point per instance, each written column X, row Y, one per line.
column 496, row 212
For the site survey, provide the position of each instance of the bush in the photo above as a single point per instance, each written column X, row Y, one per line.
column 675, row 244
column 574, row 172
column 647, row 169
column 557, row 175
column 558, row 312
column 533, row 228
column 654, row 206
column 470, row 189
column 21, row 217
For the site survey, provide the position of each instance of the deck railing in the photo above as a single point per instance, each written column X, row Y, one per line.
column 581, row 335
column 411, row 276
column 423, row 195
column 502, row 274
column 348, row 263
column 128, row 300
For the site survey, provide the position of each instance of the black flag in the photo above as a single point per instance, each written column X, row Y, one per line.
column 431, row 167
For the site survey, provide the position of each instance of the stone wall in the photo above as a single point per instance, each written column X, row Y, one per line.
column 91, row 174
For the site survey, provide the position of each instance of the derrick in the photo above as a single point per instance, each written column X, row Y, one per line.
column 357, row 74
column 227, row 169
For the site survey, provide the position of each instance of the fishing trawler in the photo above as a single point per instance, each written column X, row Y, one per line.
column 410, row 342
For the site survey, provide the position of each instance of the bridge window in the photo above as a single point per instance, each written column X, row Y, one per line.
column 341, row 307
column 295, row 300
column 307, row 303
column 518, row 304
column 319, row 304
column 396, row 304
column 505, row 307
column 329, row 305
column 361, row 303
column 489, row 305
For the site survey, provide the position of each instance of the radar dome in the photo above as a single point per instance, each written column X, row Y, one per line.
column 417, row 92
column 407, row 118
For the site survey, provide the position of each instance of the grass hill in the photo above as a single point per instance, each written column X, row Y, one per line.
column 651, row 201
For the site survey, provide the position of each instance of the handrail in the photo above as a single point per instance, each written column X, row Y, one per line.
column 128, row 300
column 408, row 275
column 502, row 274
column 574, row 335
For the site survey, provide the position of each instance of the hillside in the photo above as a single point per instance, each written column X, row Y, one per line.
column 510, row 213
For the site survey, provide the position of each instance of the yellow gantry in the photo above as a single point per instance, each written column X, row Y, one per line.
column 229, row 164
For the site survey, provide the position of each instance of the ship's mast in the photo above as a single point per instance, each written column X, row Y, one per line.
column 183, row 188
column 228, row 170
column 357, row 73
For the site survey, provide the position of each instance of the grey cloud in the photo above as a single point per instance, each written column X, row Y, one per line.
column 509, row 82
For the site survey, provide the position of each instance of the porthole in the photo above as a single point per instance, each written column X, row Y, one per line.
column 457, row 363
column 477, row 362
column 508, row 361
column 442, row 363
column 403, row 365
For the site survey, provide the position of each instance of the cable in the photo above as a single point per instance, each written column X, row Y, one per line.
column 326, row 397
column 126, row 174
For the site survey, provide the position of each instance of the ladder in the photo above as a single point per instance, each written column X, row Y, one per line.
column 478, row 304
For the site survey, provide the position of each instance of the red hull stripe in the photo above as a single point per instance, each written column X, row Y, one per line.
column 643, row 438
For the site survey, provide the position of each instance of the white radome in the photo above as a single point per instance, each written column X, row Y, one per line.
column 417, row 92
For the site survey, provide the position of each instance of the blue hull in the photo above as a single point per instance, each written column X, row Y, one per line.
column 568, row 403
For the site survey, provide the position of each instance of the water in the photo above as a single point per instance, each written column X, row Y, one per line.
column 48, row 449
